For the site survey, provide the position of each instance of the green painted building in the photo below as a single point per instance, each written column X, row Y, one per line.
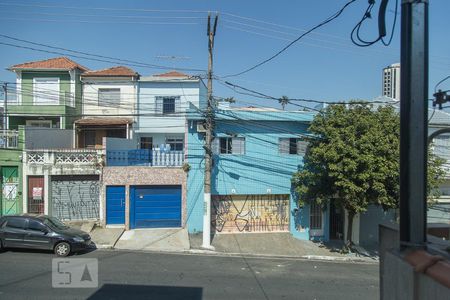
column 48, row 92
column 11, row 198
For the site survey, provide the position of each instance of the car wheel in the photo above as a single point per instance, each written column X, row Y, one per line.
column 62, row 249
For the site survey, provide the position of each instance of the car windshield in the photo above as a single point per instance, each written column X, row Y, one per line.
column 54, row 223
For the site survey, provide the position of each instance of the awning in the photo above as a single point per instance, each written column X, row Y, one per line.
column 104, row 121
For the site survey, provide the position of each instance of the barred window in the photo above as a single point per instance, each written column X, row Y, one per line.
column 315, row 216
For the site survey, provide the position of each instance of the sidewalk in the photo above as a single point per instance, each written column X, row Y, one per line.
column 278, row 244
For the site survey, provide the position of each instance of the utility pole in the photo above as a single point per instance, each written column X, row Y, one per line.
column 208, row 139
column 5, row 116
column 413, row 124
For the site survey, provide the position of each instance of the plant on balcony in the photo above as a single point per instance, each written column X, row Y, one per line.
column 186, row 167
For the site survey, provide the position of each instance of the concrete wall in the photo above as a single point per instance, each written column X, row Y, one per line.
column 260, row 171
column 127, row 104
column 369, row 222
column 131, row 176
column 147, row 93
column 398, row 278
column 111, row 144
column 48, row 138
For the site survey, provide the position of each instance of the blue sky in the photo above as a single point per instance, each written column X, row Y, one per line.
column 323, row 66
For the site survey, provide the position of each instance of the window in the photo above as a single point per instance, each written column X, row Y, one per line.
column 39, row 123
column 229, row 145
column 292, row 146
column 167, row 105
column 36, row 226
column 147, row 143
column 46, row 91
column 18, row 223
column 109, row 97
column 176, row 144
column 89, row 138
column 315, row 216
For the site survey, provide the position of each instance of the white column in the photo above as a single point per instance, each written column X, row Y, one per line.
column 24, row 183
column 46, row 192
column 207, row 222
column 128, row 131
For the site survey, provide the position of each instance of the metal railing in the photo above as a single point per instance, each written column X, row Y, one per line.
column 144, row 157
column 9, row 139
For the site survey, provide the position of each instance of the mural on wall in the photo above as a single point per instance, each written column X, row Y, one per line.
column 10, row 195
column 75, row 199
column 250, row 213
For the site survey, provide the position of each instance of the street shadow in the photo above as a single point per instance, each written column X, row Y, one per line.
column 338, row 246
column 125, row 291
column 50, row 252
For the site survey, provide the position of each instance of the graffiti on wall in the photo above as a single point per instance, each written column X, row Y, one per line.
column 75, row 200
column 250, row 213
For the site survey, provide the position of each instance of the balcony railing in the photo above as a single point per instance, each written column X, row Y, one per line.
column 144, row 157
column 64, row 157
column 9, row 139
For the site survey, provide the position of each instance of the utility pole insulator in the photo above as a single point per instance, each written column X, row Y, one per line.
column 440, row 98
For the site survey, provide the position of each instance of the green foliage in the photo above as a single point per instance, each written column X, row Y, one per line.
column 353, row 158
column 284, row 100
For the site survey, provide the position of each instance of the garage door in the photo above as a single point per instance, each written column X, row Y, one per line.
column 115, row 205
column 250, row 213
column 155, row 206
column 75, row 197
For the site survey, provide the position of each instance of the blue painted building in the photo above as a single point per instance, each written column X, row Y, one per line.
column 255, row 153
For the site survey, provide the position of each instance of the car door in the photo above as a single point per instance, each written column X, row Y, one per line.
column 37, row 235
column 14, row 231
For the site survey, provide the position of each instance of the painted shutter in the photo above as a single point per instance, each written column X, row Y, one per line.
column 215, row 145
column 301, row 146
column 283, row 146
column 159, row 105
column 238, row 145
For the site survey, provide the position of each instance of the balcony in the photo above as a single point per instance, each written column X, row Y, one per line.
column 144, row 157
column 9, row 139
column 63, row 157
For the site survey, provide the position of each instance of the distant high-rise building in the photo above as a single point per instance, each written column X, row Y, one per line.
column 391, row 81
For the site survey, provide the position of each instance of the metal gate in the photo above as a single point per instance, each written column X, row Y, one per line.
column 155, row 206
column 336, row 222
column 10, row 196
column 250, row 213
column 115, row 205
column 75, row 197
column 36, row 194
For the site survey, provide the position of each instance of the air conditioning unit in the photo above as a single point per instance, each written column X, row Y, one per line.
column 201, row 127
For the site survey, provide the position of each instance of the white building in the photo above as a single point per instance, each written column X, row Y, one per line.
column 162, row 103
column 109, row 106
column 391, row 81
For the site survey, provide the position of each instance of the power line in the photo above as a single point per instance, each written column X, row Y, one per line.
column 329, row 19
column 110, row 59
column 99, row 22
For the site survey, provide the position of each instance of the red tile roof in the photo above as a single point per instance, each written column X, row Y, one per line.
column 171, row 74
column 104, row 121
column 119, row 71
column 58, row 63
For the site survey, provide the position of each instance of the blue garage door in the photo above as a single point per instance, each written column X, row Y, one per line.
column 155, row 206
column 115, row 205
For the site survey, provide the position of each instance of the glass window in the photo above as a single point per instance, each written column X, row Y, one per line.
column 46, row 91
column 36, row 225
column 18, row 223
column 54, row 223
column 292, row 146
column 167, row 105
column 228, row 145
column 109, row 97
column 176, row 143
column 147, row 143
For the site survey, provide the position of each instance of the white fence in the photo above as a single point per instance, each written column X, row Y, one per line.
column 9, row 139
column 64, row 157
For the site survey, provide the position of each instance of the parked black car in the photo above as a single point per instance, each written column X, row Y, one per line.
column 41, row 232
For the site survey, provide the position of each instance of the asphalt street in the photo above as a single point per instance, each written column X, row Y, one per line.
column 144, row 275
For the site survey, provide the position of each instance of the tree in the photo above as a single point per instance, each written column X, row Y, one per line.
column 353, row 159
column 284, row 100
